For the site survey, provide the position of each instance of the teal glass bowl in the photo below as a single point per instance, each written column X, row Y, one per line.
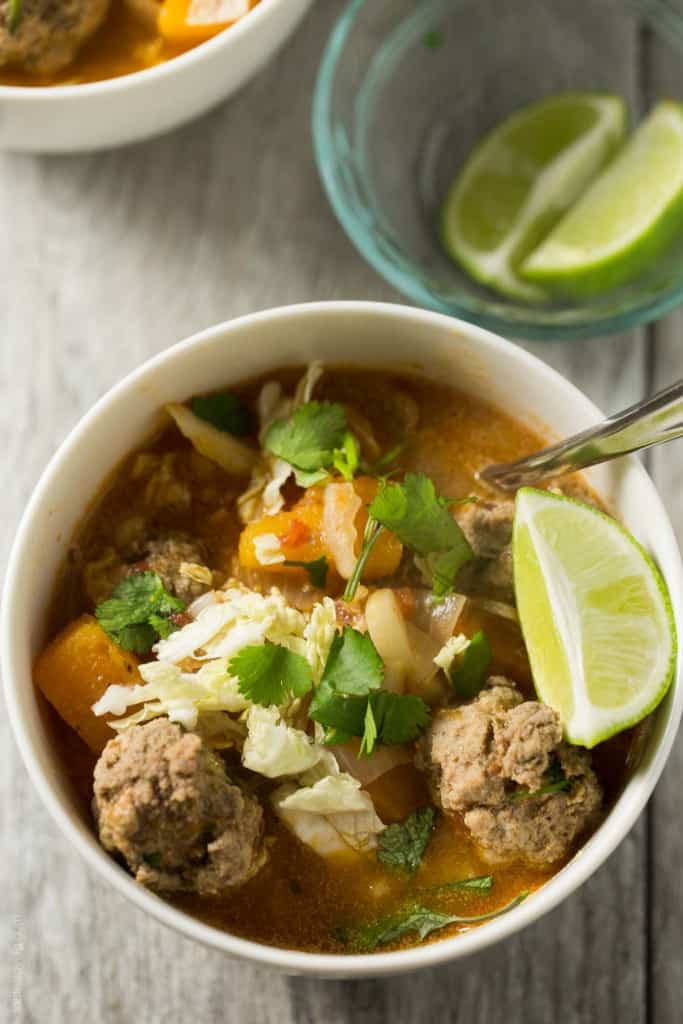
column 406, row 88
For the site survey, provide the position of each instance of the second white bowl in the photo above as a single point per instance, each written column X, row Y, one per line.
column 72, row 118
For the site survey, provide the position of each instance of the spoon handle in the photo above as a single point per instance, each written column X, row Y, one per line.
column 653, row 421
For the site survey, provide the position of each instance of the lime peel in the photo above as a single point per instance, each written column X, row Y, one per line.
column 517, row 186
column 595, row 615
column 626, row 218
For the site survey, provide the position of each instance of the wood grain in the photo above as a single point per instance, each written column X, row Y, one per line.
column 104, row 261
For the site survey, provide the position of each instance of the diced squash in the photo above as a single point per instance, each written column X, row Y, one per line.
column 186, row 22
column 74, row 671
column 301, row 536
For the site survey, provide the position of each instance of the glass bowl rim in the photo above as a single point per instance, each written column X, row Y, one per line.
column 533, row 328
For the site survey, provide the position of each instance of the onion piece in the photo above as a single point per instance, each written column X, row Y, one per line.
column 438, row 618
column 407, row 652
column 232, row 455
column 341, row 505
column 367, row 769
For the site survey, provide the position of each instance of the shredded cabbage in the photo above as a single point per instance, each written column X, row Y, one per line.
column 450, row 651
column 169, row 691
column 232, row 455
column 236, row 618
column 241, row 617
column 329, row 806
column 319, row 634
column 273, row 748
column 264, row 496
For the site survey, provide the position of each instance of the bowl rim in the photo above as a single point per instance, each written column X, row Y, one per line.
column 230, row 36
column 12, row 636
column 363, row 239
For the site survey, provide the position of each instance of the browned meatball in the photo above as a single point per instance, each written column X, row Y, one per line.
column 487, row 759
column 169, row 557
column 488, row 528
column 175, row 557
column 164, row 802
column 48, row 32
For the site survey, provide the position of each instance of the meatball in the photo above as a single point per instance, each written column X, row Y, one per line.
column 177, row 558
column 48, row 33
column 163, row 801
column 173, row 558
column 488, row 528
column 486, row 760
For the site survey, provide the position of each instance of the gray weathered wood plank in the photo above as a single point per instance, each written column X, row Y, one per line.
column 105, row 260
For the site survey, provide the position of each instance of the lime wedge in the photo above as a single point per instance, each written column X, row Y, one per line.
column 521, row 179
column 595, row 614
column 631, row 212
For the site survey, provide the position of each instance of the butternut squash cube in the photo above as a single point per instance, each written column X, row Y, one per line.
column 76, row 668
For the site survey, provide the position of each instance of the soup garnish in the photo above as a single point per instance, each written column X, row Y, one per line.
column 288, row 639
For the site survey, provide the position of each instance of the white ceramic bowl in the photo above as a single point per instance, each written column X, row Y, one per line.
column 365, row 334
column 72, row 118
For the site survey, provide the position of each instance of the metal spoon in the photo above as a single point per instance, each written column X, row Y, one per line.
column 654, row 421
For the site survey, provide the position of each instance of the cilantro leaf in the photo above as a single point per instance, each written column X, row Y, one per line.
column 269, row 673
column 371, row 535
column 400, row 717
column 418, row 919
column 469, row 676
column 139, row 638
column 353, row 665
column 137, row 613
column 14, row 14
column 227, row 412
column 555, row 782
column 317, row 570
column 481, row 883
column 403, row 845
column 421, row 520
column 369, row 732
column 309, row 438
column 346, row 459
column 344, row 715
column 350, row 702
column 390, row 929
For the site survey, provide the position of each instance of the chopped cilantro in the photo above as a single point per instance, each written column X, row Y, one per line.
column 227, row 412
column 555, row 782
column 309, row 439
column 469, row 676
column 421, row 520
column 138, row 612
column 371, row 535
column 403, row 845
column 346, row 458
column 271, row 674
column 377, row 467
column 422, row 920
column 317, row 570
column 353, row 665
column 369, row 738
column 400, row 717
column 481, row 883
column 350, row 702
column 14, row 13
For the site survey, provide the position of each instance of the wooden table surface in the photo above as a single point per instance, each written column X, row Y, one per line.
column 107, row 259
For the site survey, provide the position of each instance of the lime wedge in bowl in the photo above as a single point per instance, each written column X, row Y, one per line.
column 627, row 217
column 521, row 179
column 595, row 614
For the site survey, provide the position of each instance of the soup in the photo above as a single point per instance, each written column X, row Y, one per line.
column 292, row 721
column 92, row 40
